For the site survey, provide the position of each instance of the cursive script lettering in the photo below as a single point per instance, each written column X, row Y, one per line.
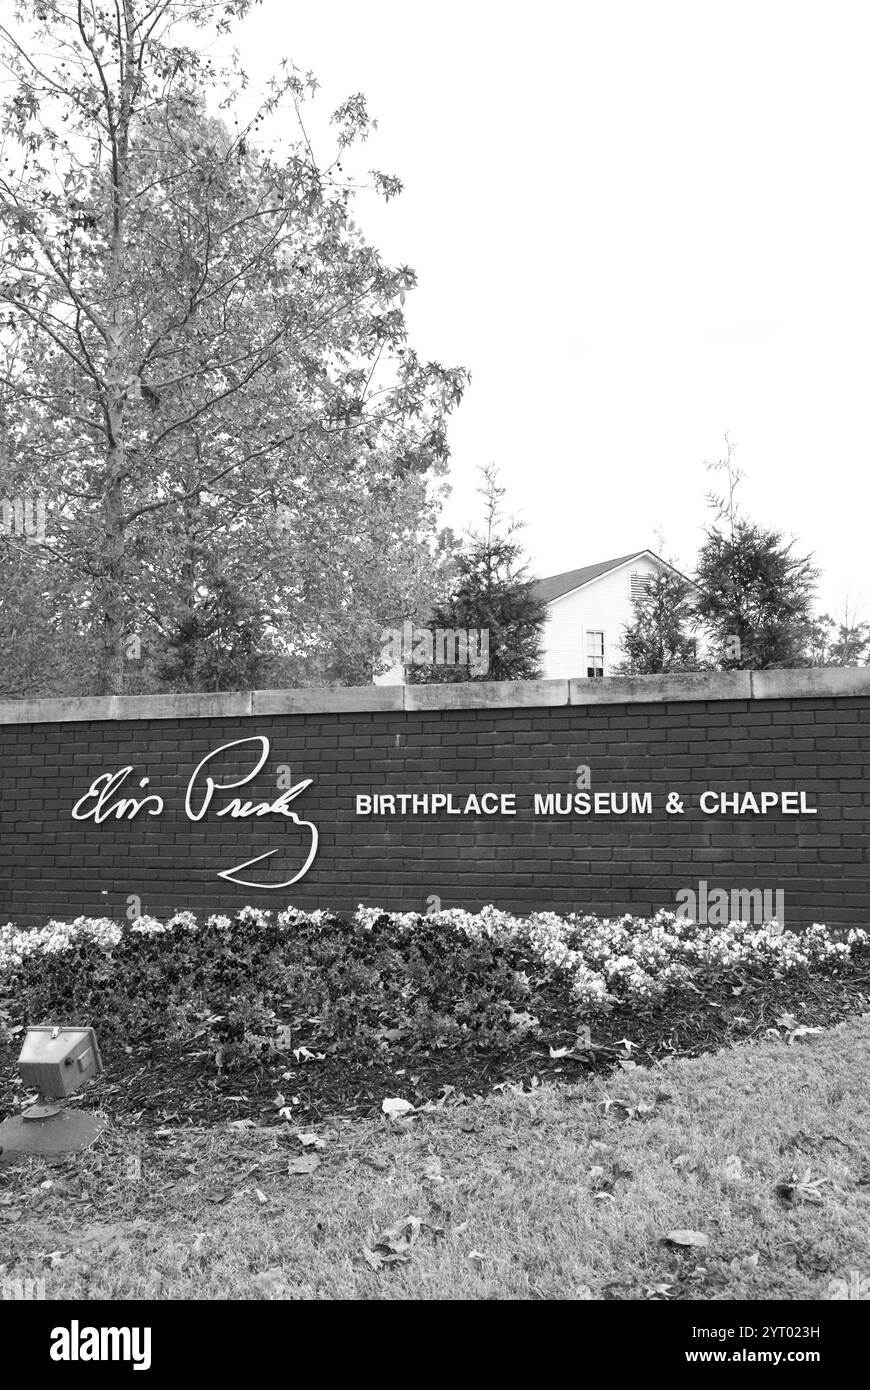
column 103, row 788
column 98, row 804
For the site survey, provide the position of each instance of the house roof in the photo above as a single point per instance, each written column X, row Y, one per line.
column 559, row 584
column 547, row 590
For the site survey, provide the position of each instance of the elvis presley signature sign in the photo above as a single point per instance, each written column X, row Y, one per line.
column 102, row 801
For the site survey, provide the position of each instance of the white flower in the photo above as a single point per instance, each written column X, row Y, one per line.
column 254, row 917
column 148, row 926
column 187, row 920
column 604, row 959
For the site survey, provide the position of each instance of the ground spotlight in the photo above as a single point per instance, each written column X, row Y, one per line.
column 56, row 1061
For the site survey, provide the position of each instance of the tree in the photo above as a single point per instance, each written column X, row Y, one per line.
column 659, row 637
column 841, row 641
column 199, row 340
column 218, row 643
column 754, row 590
column 756, row 596
column 44, row 645
column 493, row 598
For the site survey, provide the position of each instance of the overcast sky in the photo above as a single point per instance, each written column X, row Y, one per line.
column 640, row 224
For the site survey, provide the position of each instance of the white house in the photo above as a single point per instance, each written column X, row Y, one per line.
column 588, row 610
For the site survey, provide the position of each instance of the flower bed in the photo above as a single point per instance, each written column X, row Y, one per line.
column 260, row 983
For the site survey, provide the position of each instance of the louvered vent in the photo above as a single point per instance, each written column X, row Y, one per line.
column 639, row 584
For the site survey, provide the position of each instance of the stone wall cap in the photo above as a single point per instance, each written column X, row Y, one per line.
column 827, row 682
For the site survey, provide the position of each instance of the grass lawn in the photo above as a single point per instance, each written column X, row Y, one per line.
column 553, row 1192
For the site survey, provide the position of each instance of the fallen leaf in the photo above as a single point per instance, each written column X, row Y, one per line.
column 220, row 1194
column 395, row 1105
column 686, row 1238
column 394, row 1245
column 243, row 1124
column 800, row 1188
column 744, row 1263
column 432, row 1169
column 801, row 1033
column 304, row 1163
column 380, row 1165
column 524, row 1022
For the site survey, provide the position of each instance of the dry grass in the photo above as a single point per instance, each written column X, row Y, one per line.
column 553, row 1193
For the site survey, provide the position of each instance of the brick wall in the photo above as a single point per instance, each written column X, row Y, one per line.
column 776, row 731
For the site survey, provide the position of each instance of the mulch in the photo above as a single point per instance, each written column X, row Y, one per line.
column 157, row 1083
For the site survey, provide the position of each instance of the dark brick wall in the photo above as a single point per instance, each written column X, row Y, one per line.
column 51, row 865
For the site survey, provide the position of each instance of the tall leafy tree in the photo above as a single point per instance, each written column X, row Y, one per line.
column 492, row 594
column 660, row 637
column 756, row 595
column 200, row 352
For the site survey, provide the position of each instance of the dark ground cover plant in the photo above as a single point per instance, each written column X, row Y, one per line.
column 333, row 1013
column 250, row 992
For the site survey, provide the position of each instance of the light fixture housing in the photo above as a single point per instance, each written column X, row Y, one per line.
column 57, row 1061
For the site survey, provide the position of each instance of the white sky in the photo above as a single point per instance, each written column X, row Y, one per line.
column 639, row 223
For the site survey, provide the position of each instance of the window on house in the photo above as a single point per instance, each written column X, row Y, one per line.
column 639, row 585
column 595, row 653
